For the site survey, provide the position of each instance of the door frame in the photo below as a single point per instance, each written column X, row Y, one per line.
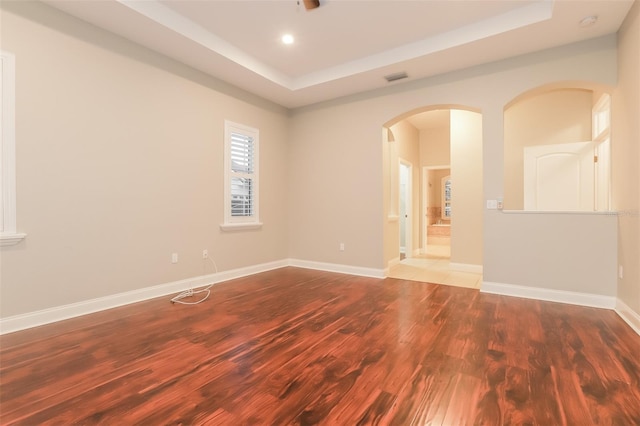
column 408, row 207
column 424, row 239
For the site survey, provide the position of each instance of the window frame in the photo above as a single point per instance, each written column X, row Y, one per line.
column 8, row 230
column 231, row 222
column 601, row 136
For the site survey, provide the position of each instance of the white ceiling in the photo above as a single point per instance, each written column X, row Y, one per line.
column 344, row 46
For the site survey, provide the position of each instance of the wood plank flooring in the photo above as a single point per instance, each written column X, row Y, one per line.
column 295, row 346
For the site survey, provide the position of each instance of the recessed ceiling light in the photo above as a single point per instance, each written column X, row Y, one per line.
column 587, row 21
column 287, row 39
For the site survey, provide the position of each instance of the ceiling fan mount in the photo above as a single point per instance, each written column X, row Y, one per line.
column 310, row 4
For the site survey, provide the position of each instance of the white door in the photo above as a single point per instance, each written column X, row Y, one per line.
column 559, row 177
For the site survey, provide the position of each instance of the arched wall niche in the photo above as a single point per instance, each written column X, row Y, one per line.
column 597, row 88
column 553, row 161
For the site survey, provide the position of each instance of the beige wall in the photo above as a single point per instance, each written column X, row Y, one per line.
column 626, row 158
column 116, row 167
column 573, row 252
column 554, row 117
column 119, row 164
column 351, row 127
column 466, row 187
column 434, row 146
column 335, row 190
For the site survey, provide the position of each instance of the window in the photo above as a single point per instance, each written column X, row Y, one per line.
column 601, row 123
column 8, row 234
column 446, row 198
column 241, row 192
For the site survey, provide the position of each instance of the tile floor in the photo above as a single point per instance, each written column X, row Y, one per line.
column 433, row 267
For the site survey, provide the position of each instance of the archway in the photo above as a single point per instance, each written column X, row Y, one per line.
column 447, row 138
column 557, row 148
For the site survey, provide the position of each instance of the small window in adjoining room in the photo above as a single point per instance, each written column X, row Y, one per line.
column 601, row 133
column 8, row 233
column 241, row 178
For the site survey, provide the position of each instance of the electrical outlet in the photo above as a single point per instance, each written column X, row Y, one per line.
column 620, row 272
column 492, row 204
column 205, row 253
column 341, row 246
column 174, row 258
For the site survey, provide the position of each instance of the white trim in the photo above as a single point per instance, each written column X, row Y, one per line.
column 550, row 295
column 59, row 313
column 465, row 267
column 239, row 223
column 408, row 207
column 628, row 315
column 603, row 105
column 424, row 207
column 230, row 227
column 8, row 233
column 11, row 239
column 335, row 267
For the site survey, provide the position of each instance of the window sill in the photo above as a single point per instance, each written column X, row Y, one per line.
column 231, row 227
column 11, row 239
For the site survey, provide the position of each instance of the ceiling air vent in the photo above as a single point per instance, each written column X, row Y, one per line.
column 396, row 76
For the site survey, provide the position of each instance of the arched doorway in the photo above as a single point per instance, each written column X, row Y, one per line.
column 443, row 146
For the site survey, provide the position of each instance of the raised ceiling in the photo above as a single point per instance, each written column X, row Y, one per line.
column 344, row 46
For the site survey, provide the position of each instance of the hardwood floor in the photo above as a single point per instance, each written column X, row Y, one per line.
column 294, row 346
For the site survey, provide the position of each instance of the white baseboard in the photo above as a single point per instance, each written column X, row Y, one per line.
column 629, row 316
column 391, row 264
column 465, row 267
column 59, row 313
column 335, row 267
column 550, row 295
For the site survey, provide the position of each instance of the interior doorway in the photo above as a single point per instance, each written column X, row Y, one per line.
column 405, row 204
column 433, row 197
